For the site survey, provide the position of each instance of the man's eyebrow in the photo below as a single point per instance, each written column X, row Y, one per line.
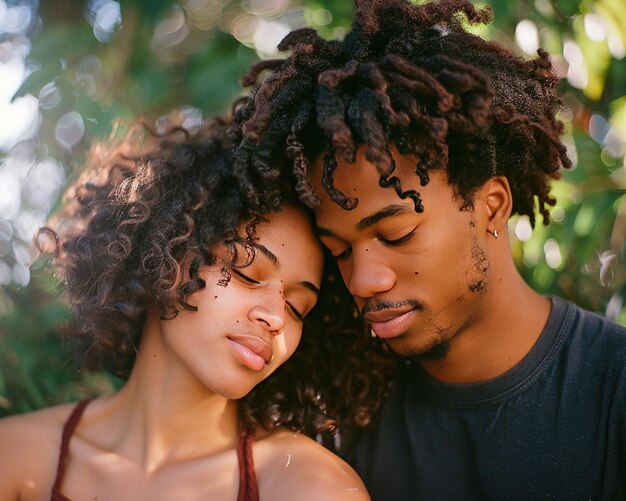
column 274, row 260
column 390, row 210
column 366, row 222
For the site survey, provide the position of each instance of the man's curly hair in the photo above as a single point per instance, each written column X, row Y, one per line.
column 137, row 227
column 410, row 75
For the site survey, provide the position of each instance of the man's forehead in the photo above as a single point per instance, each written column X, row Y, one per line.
column 362, row 176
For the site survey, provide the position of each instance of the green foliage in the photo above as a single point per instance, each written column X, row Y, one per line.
column 37, row 363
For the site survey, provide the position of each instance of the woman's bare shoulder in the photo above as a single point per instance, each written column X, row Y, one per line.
column 293, row 466
column 35, row 425
column 30, row 449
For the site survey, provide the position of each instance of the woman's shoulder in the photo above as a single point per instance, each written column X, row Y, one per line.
column 30, row 449
column 35, row 425
column 292, row 466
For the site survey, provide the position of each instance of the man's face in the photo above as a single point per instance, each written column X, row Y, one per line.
column 418, row 279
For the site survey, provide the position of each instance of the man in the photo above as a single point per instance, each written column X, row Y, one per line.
column 415, row 141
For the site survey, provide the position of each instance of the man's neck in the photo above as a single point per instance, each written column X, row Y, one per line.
column 509, row 322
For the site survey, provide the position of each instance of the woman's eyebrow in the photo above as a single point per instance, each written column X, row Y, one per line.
column 267, row 253
column 274, row 260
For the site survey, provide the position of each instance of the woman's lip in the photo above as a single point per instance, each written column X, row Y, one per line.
column 393, row 326
column 253, row 351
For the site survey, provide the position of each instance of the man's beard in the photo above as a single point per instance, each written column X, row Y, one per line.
column 436, row 351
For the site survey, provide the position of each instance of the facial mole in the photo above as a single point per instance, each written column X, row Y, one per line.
column 416, row 273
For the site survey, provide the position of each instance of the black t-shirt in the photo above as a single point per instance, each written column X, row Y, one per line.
column 552, row 427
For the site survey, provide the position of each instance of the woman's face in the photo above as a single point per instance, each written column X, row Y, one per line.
column 244, row 330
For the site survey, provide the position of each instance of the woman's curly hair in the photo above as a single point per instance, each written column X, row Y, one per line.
column 338, row 374
column 407, row 74
column 147, row 213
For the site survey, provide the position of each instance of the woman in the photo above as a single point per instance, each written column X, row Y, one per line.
column 176, row 285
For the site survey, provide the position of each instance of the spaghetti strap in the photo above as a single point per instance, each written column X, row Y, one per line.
column 248, row 488
column 68, row 431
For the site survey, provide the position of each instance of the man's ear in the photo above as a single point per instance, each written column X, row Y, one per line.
column 496, row 198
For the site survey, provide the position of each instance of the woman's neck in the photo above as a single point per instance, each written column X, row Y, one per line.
column 163, row 414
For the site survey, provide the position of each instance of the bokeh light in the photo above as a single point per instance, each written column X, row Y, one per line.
column 577, row 70
column 105, row 16
column 69, row 130
column 172, row 30
column 527, row 36
column 523, row 229
column 553, row 253
column 594, row 27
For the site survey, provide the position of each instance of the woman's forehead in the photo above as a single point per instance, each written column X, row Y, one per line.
column 288, row 235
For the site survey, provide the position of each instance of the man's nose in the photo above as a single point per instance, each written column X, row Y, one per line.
column 369, row 274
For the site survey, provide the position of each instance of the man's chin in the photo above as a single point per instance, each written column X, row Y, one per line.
column 435, row 351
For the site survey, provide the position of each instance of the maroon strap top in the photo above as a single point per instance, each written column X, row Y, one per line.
column 248, row 488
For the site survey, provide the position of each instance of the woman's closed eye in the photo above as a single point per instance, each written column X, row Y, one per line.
column 244, row 277
column 295, row 311
column 342, row 255
column 249, row 280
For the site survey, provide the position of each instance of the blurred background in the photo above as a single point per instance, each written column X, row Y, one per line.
column 69, row 68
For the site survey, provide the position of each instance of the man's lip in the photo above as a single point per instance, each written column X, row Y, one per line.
column 393, row 325
column 256, row 345
column 386, row 314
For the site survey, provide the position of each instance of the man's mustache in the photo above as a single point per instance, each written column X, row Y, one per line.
column 371, row 306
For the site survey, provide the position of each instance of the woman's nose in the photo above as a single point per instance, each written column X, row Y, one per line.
column 270, row 313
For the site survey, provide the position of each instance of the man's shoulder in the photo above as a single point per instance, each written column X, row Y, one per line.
column 594, row 350
column 593, row 329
